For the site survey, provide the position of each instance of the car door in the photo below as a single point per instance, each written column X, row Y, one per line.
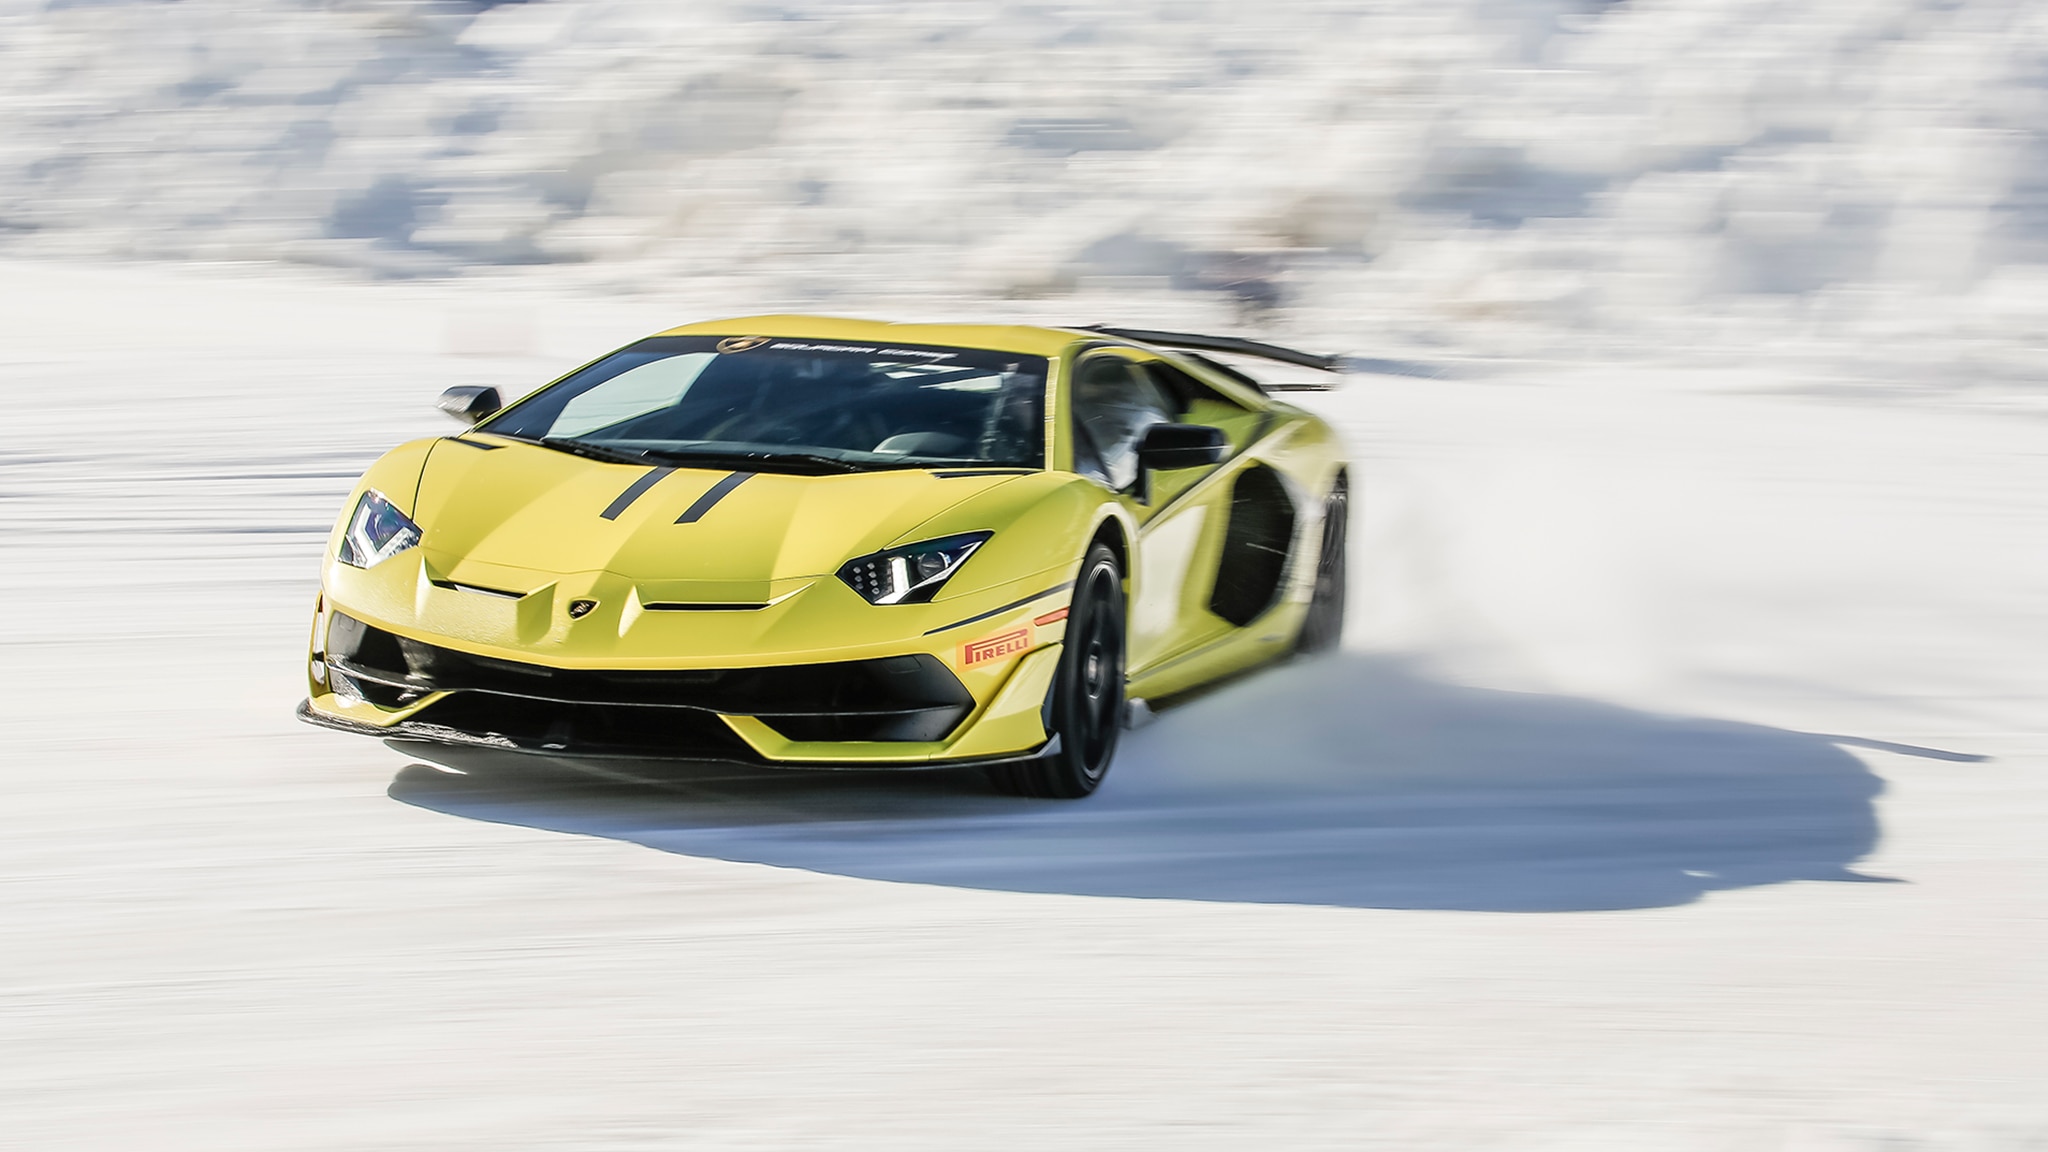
column 1182, row 515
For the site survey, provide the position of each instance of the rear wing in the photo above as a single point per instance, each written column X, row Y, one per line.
column 1193, row 342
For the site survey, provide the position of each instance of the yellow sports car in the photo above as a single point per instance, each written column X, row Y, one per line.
column 809, row 542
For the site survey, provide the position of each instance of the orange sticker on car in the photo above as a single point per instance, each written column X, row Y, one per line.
column 995, row 647
column 1052, row 617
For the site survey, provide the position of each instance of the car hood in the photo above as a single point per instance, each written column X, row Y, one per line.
column 511, row 517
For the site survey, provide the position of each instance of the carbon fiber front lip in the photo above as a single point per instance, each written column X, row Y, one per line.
column 408, row 730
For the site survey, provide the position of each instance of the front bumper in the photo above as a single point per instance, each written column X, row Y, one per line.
column 900, row 711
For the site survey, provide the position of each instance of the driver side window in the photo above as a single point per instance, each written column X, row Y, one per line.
column 1113, row 404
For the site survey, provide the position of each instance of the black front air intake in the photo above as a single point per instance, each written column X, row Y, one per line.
column 548, row 726
column 895, row 698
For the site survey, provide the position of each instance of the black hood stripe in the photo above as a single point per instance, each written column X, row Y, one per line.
column 719, row 491
column 633, row 492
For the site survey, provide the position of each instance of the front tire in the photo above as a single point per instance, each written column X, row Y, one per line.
column 1088, row 691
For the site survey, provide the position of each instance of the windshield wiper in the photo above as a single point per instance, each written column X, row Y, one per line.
column 758, row 461
column 592, row 451
column 764, row 461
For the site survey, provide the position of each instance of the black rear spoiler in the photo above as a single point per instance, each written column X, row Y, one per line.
column 1195, row 342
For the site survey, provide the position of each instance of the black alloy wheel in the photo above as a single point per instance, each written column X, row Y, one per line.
column 1323, row 626
column 1087, row 693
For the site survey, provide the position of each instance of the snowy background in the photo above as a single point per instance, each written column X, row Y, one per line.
column 1827, row 179
column 1680, row 786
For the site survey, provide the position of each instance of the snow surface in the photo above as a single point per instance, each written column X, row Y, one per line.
column 1680, row 788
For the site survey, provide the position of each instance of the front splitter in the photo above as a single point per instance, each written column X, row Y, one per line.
column 415, row 731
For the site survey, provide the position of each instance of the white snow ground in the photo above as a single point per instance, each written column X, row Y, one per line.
column 1680, row 788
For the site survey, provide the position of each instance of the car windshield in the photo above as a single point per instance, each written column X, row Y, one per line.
column 850, row 405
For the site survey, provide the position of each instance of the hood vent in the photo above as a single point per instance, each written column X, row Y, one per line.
column 500, row 593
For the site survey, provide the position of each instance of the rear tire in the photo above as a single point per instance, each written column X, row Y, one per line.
column 1087, row 709
column 1322, row 629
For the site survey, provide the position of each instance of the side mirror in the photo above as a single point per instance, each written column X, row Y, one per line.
column 469, row 403
column 1169, row 446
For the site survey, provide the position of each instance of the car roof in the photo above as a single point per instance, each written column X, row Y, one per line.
column 1027, row 339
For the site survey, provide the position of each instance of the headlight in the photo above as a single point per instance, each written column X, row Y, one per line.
column 377, row 531
column 913, row 573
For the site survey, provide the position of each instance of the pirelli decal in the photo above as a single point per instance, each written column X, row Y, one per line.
column 994, row 647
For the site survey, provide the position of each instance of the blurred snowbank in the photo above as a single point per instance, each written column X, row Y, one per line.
column 1521, row 177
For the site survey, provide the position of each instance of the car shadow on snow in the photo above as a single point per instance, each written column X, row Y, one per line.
column 1344, row 780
